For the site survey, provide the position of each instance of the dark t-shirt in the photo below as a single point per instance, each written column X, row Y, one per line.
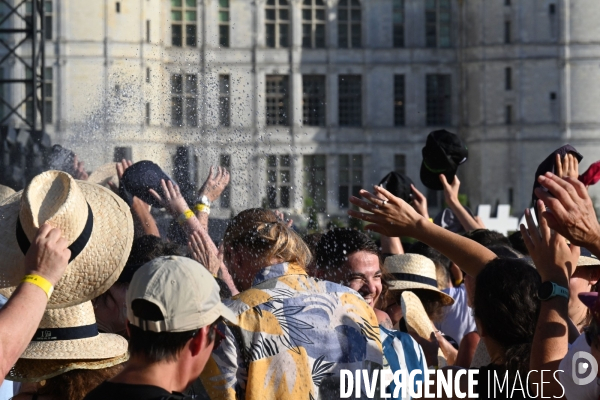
column 125, row 391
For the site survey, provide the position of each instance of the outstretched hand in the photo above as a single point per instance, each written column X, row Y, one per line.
column 419, row 202
column 553, row 258
column 450, row 190
column 173, row 200
column 390, row 215
column 121, row 168
column 570, row 210
column 201, row 252
column 567, row 167
column 215, row 183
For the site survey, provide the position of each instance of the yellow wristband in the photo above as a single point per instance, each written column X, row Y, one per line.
column 203, row 208
column 40, row 282
column 187, row 214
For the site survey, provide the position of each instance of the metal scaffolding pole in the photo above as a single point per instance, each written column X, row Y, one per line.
column 22, row 26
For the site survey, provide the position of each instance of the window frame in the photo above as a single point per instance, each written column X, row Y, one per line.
column 281, row 117
column 312, row 184
column 314, row 23
column 186, row 39
column 349, row 121
column 398, row 13
column 349, row 6
column 439, row 100
column 279, row 183
column 314, row 116
column 224, row 100
column 435, row 23
column 349, row 187
column 278, row 23
column 224, row 26
column 225, row 198
column 187, row 96
column 399, row 100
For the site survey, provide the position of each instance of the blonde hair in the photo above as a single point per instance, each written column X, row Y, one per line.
column 265, row 237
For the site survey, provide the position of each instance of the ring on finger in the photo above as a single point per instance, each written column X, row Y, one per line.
column 384, row 202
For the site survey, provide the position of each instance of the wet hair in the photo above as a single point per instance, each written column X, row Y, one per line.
column 76, row 384
column 507, row 307
column 264, row 236
column 338, row 244
column 442, row 263
column 487, row 238
column 517, row 242
column 145, row 249
column 157, row 347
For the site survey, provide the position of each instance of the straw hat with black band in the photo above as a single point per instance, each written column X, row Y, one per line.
column 414, row 271
column 104, row 174
column 68, row 339
column 96, row 223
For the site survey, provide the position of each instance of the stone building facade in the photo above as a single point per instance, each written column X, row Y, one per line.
column 308, row 100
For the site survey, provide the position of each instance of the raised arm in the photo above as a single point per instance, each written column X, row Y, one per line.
column 468, row 222
column 391, row 216
column 555, row 262
column 47, row 258
column 211, row 190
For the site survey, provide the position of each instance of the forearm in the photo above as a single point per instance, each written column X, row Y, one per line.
column 469, row 255
column 466, row 220
column 203, row 219
column 143, row 219
column 550, row 342
column 391, row 245
column 19, row 319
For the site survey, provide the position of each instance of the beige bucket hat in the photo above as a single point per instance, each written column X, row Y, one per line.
column 104, row 174
column 414, row 271
column 96, row 223
column 67, row 339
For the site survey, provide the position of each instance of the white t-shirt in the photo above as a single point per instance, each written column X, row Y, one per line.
column 458, row 319
column 591, row 391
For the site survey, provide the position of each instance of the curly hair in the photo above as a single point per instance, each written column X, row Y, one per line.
column 507, row 307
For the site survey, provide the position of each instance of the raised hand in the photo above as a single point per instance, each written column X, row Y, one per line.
column 215, row 183
column 121, row 167
column 567, row 167
column 391, row 216
column 201, row 252
column 554, row 259
column 419, row 202
column 450, row 190
column 281, row 218
column 173, row 200
column 79, row 167
column 570, row 210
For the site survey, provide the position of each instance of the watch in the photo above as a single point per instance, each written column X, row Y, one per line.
column 549, row 290
column 204, row 200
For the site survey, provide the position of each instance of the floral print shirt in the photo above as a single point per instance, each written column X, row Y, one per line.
column 295, row 334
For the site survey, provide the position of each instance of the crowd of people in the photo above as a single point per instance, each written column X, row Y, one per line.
column 100, row 301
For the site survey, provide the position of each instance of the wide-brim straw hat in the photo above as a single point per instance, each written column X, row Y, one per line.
column 414, row 271
column 67, row 339
column 104, row 174
column 5, row 192
column 96, row 223
column 417, row 320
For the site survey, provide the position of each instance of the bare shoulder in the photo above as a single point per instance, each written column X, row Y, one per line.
column 383, row 319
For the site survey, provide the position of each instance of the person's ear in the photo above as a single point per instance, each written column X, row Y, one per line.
column 594, row 275
column 200, row 341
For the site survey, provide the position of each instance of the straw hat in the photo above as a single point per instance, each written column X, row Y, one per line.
column 5, row 192
column 587, row 259
column 414, row 271
column 105, row 174
column 67, row 339
column 96, row 223
column 417, row 319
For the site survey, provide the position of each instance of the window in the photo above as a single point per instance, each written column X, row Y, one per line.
column 313, row 100
column 279, row 180
column 277, row 100
column 147, row 114
column 48, row 95
column 315, row 182
column 400, row 164
column 224, row 110
column 350, row 100
column 122, row 153
column 553, row 21
column 184, row 101
column 277, row 17
column 439, row 100
column 508, row 78
column 552, row 95
column 552, row 9
column 398, row 18
column 349, row 24
column 399, row 100
column 48, row 17
column 508, row 115
column 225, row 199
column 183, row 23
column 437, row 23
column 118, row 7
column 507, row 36
column 313, row 24
column 147, row 31
column 185, row 171
column 507, row 2
column 147, row 75
column 224, row 23
column 350, row 176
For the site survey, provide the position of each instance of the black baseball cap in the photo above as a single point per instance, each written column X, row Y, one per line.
column 548, row 165
column 398, row 185
column 442, row 154
column 143, row 176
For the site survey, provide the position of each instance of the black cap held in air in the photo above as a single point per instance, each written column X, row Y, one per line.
column 398, row 185
column 442, row 154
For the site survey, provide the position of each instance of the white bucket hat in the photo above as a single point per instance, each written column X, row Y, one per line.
column 414, row 271
column 67, row 339
column 96, row 223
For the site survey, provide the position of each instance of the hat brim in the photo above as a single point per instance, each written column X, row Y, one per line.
column 103, row 345
column 587, row 262
column 432, row 181
column 227, row 314
column 405, row 285
column 95, row 269
column 104, row 174
column 415, row 316
column 32, row 370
